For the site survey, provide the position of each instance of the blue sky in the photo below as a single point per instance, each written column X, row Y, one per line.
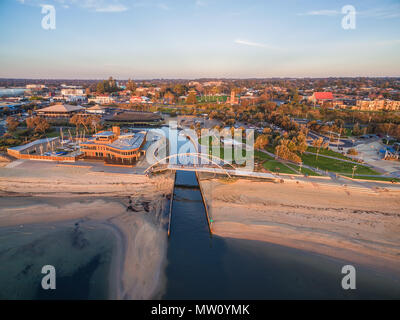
column 144, row 39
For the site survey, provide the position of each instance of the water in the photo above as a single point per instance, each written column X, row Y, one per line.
column 205, row 267
column 81, row 256
column 12, row 92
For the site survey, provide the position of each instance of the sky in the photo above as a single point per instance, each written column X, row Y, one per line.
column 148, row 39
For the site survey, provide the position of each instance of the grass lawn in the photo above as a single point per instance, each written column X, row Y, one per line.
column 330, row 153
column 229, row 158
column 271, row 164
column 304, row 170
column 276, row 166
column 258, row 155
column 52, row 134
column 270, row 149
column 205, row 99
column 333, row 165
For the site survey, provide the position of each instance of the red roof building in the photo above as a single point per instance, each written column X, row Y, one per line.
column 321, row 97
column 136, row 99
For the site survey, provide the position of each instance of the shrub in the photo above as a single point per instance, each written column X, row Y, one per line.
column 352, row 152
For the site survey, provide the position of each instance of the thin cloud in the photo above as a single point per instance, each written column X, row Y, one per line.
column 112, row 8
column 379, row 13
column 320, row 13
column 93, row 5
column 254, row 44
column 382, row 13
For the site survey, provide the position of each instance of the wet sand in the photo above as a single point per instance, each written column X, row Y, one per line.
column 353, row 224
column 139, row 260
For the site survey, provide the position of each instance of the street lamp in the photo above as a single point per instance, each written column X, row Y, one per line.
column 354, row 169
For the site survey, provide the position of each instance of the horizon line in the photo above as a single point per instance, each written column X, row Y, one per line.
column 201, row 78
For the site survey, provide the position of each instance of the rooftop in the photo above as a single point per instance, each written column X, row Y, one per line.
column 96, row 107
column 323, row 95
column 124, row 142
column 129, row 142
column 136, row 116
column 104, row 134
column 33, row 143
column 61, row 108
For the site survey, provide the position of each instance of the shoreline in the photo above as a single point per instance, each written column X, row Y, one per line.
column 351, row 224
column 136, row 270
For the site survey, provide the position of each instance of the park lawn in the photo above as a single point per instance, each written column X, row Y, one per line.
column 261, row 156
column 276, row 166
column 303, row 170
column 309, row 172
column 327, row 152
column 52, row 134
column 270, row 149
column 258, row 155
column 205, row 99
column 334, row 165
column 230, row 159
column 381, row 178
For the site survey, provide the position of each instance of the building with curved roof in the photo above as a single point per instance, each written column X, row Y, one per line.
column 114, row 148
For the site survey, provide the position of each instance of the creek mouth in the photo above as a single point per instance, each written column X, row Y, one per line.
column 204, row 266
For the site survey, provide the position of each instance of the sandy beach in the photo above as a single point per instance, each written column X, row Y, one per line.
column 74, row 194
column 354, row 224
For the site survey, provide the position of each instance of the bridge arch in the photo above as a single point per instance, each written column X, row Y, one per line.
column 201, row 155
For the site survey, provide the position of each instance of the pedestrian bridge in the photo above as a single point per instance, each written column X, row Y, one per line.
column 214, row 166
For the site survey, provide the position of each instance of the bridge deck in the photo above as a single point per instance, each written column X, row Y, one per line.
column 219, row 171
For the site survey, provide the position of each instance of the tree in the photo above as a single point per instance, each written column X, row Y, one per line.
column 319, row 143
column 30, row 123
column 180, row 89
column 93, row 121
column 169, row 97
column 12, row 124
column 131, row 85
column 352, row 152
column 301, row 143
column 356, row 129
column 100, row 88
column 78, row 121
column 191, row 99
column 41, row 125
column 267, row 131
column 261, row 142
column 283, row 151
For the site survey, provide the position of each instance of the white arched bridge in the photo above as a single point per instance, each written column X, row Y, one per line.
column 212, row 165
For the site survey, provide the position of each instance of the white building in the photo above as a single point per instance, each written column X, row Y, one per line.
column 73, row 94
column 73, row 91
column 35, row 86
column 96, row 110
column 101, row 99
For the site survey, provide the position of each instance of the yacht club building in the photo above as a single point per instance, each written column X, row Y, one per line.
column 115, row 148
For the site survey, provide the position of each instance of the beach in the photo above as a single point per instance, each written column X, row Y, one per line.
column 354, row 224
column 76, row 194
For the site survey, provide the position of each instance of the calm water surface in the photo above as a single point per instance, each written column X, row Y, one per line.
column 80, row 254
column 205, row 267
